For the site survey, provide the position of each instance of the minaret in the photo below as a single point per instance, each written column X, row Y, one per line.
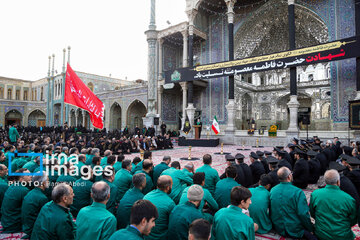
column 151, row 36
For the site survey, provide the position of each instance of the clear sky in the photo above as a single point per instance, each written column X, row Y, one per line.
column 106, row 37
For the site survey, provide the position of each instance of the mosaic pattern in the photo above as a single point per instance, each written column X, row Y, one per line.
column 9, row 108
column 169, row 108
column 169, row 56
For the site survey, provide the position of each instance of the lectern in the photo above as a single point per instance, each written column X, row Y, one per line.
column 197, row 131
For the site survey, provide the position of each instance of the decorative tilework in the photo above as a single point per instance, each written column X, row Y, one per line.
column 9, row 108
column 169, row 110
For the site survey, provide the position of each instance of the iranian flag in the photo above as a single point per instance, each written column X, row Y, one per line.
column 215, row 126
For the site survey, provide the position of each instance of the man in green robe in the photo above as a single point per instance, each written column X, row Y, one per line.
column 260, row 204
column 95, row 222
column 103, row 161
column 55, row 220
column 183, row 215
column 211, row 175
column 3, row 173
column 142, row 220
column 164, row 205
column 128, row 200
column 123, row 178
column 158, row 169
column 118, row 165
column 180, row 180
column 112, row 202
column 224, row 186
column 32, row 164
column 147, row 168
column 82, row 191
column 333, row 218
column 33, row 202
column 8, row 154
column 199, row 179
column 199, row 229
column 13, row 134
column 289, row 209
column 12, row 202
column 139, row 166
column 231, row 222
column 189, row 169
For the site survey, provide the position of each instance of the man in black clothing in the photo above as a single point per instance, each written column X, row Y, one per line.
column 314, row 167
column 273, row 165
column 137, row 131
column 151, row 131
column 246, row 170
column 263, row 161
column 301, row 170
column 282, row 162
column 163, row 128
column 353, row 172
column 257, row 169
column 240, row 178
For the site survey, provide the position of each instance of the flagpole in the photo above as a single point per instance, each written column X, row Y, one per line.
column 63, row 89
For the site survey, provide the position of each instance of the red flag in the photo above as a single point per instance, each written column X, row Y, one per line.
column 79, row 95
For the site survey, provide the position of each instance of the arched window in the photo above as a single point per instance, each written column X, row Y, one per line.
column 25, row 95
column 41, row 94
column 91, row 86
column 1, row 92
column 9, row 93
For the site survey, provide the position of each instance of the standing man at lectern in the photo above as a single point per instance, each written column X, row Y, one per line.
column 199, row 123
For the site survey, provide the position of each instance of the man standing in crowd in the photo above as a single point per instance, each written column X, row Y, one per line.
column 289, row 209
column 333, row 219
column 55, row 220
column 95, row 222
column 163, row 128
column 13, row 134
column 142, row 220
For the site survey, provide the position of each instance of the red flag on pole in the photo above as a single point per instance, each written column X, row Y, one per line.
column 79, row 95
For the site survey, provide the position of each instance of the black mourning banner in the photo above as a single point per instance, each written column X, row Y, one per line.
column 333, row 51
column 354, row 114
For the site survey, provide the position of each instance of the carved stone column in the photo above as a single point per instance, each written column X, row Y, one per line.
column 83, row 117
column 184, row 92
column 161, row 41
column 185, row 48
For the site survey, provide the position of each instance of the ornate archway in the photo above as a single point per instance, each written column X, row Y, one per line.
column 115, row 116
column 37, row 118
column 135, row 112
column 13, row 116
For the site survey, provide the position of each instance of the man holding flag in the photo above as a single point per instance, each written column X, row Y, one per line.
column 79, row 95
column 215, row 126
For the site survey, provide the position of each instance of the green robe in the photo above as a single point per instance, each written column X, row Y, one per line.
column 123, row 181
column 111, row 204
column 3, row 188
column 103, row 161
column 333, row 218
column 259, row 208
column 124, row 209
column 158, row 169
column 31, row 166
column 82, row 198
column 17, row 163
column 207, row 198
column 66, row 179
column 129, row 233
column 223, row 191
column 179, row 179
column 13, row 134
column 164, row 205
column 190, row 174
column 232, row 223
column 11, row 208
column 7, row 157
column 289, row 210
column 89, row 159
column 180, row 219
column 211, row 177
column 149, row 183
column 31, row 206
column 95, row 222
column 54, row 222
column 138, row 167
column 117, row 166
